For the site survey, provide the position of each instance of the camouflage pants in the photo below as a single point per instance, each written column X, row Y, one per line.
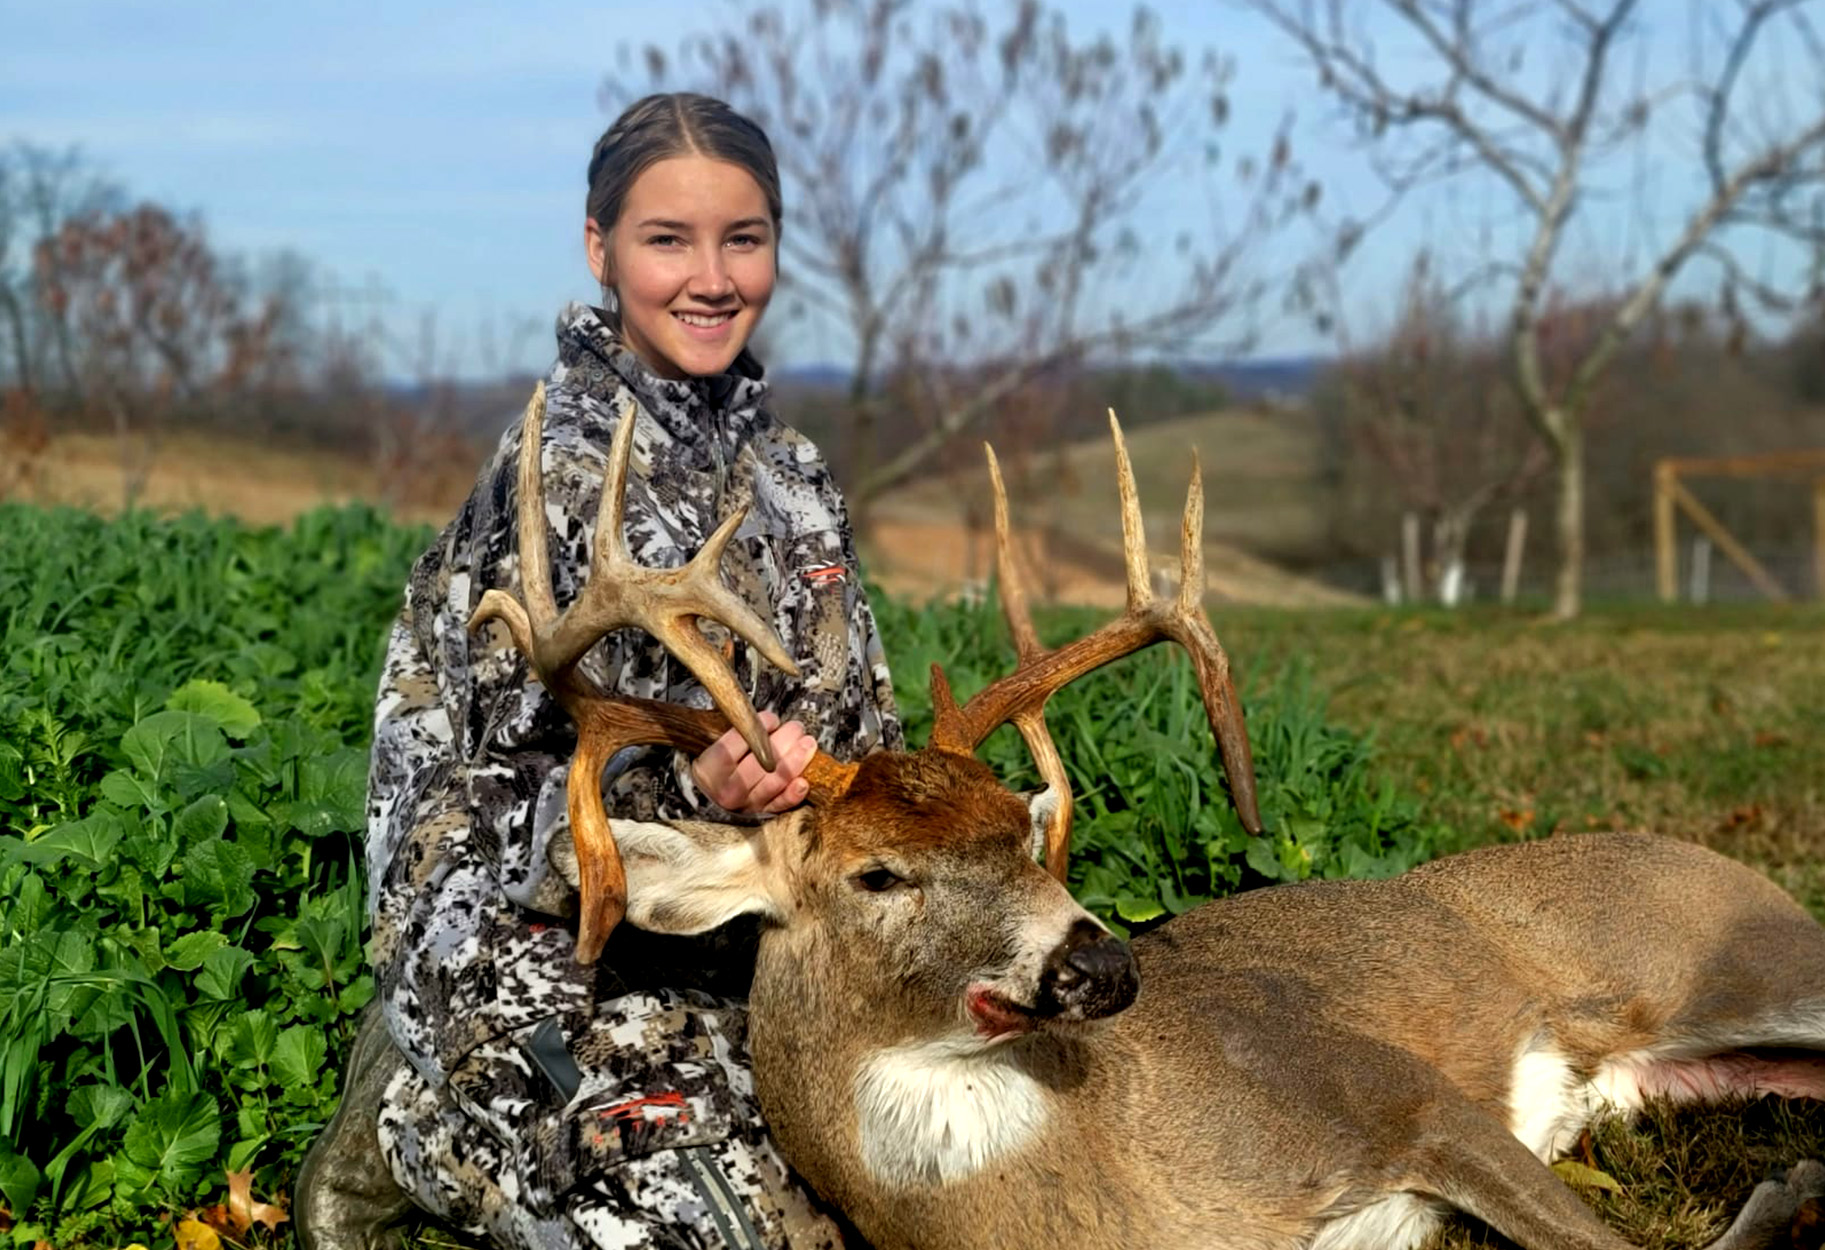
column 673, row 1155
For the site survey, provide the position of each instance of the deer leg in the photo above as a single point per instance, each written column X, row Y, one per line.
column 1477, row 1165
column 1471, row 1160
column 1771, row 1216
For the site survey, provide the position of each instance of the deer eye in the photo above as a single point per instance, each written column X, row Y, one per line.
column 877, row 880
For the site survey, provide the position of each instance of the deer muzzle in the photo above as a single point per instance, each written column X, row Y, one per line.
column 1088, row 976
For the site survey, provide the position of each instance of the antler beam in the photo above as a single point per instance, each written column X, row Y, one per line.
column 666, row 603
column 1021, row 696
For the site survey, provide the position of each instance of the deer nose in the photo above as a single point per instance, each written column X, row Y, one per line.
column 1089, row 975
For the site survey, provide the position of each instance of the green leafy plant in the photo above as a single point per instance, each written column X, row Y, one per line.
column 1154, row 832
column 185, row 709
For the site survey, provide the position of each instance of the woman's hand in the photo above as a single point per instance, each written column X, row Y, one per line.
column 729, row 774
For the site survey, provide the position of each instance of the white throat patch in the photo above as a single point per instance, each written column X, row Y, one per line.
column 934, row 1112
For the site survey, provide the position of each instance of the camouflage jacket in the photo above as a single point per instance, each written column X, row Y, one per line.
column 471, row 942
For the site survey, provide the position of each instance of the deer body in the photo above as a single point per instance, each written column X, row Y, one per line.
column 956, row 1053
column 1324, row 1065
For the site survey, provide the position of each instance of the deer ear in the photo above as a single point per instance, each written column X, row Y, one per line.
column 689, row 877
column 1042, row 806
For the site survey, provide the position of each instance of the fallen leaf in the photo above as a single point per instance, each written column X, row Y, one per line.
column 1582, row 1176
column 1517, row 819
column 243, row 1211
column 1746, row 814
column 1465, row 735
column 193, row 1234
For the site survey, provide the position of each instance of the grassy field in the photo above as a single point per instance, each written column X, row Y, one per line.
column 183, row 712
column 1706, row 723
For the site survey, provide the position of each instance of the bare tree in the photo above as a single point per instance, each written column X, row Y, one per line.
column 976, row 204
column 156, row 322
column 1423, row 406
column 40, row 191
column 1543, row 97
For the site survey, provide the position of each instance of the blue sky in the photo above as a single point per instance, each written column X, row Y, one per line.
column 438, row 150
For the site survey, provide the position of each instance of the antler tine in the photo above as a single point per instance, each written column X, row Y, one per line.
column 1134, row 533
column 1013, row 590
column 1191, row 541
column 666, row 603
column 1031, row 722
column 1022, row 695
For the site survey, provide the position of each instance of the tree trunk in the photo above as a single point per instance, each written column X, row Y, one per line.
column 1568, row 453
column 1450, row 537
column 864, row 453
column 22, row 357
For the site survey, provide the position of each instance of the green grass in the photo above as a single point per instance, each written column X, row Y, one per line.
column 1705, row 723
column 1680, row 1174
column 183, row 719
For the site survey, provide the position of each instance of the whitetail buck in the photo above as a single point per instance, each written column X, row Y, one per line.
column 953, row 1051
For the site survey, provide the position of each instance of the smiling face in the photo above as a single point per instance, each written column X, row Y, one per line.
column 692, row 260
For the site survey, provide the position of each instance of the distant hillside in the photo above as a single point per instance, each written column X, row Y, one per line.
column 1267, row 377
column 1264, row 490
column 1284, row 377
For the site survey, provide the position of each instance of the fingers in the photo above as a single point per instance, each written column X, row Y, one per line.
column 729, row 774
column 717, row 770
column 785, row 788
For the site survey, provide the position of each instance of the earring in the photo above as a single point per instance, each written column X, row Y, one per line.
column 611, row 303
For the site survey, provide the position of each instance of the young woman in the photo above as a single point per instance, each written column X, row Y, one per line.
column 498, row 1084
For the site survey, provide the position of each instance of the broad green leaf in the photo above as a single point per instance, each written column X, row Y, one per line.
column 192, row 781
column 188, row 953
column 212, row 699
column 222, row 971
column 164, row 739
column 220, row 875
column 19, row 1179
column 128, row 890
column 89, row 842
column 332, row 794
column 322, row 937
column 246, row 811
column 99, row 1106
column 31, row 907
column 203, row 819
column 298, row 1061
column 1264, row 858
column 253, row 1039
column 152, row 854
column 130, row 789
column 1138, row 910
column 99, row 1010
column 356, row 995
column 173, row 1137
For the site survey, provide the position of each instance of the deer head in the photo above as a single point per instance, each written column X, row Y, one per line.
column 892, row 848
